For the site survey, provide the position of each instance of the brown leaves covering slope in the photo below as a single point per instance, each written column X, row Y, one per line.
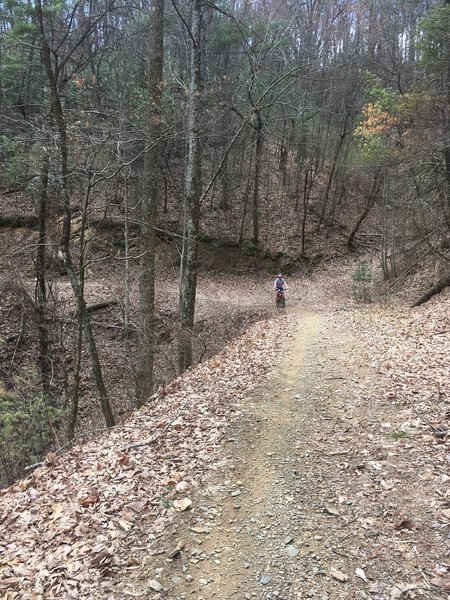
column 88, row 518
column 87, row 515
column 407, row 437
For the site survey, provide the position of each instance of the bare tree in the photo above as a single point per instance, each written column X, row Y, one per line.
column 54, row 73
column 188, row 278
column 149, row 208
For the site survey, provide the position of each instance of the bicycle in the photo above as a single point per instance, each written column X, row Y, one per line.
column 280, row 300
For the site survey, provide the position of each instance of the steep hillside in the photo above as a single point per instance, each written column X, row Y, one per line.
column 330, row 428
column 234, row 290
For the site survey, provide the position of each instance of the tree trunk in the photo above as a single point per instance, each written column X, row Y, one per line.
column 76, row 378
column 244, row 205
column 149, row 210
column 371, row 200
column 333, row 169
column 258, row 159
column 188, row 276
column 436, row 289
column 447, row 133
column 41, row 286
column 286, row 143
column 58, row 113
column 309, row 180
column 224, row 176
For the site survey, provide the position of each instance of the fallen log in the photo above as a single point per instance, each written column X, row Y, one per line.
column 17, row 221
column 436, row 289
column 100, row 305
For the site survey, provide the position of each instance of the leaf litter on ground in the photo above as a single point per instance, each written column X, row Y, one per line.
column 86, row 518
column 77, row 521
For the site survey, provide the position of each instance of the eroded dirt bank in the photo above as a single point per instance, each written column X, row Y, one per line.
column 319, row 497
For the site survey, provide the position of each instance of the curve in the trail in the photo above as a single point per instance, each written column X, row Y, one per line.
column 241, row 538
column 316, row 497
column 257, row 524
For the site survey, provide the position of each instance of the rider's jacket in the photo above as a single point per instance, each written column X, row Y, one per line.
column 280, row 284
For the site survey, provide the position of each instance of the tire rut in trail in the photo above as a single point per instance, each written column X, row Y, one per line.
column 240, row 542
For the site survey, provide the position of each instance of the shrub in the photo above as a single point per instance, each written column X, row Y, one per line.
column 28, row 427
column 362, row 282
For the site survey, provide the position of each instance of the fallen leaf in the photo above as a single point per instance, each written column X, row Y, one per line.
column 176, row 551
column 125, row 525
column 440, row 570
column 58, row 511
column 376, row 465
column 399, row 589
column 360, row 573
column 183, row 504
column 102, row 558
column 90, row 499
column 51, row 459
column 338, row 575
column 331, row 511
column 405, row 524
column 183, row 485
column 442, row 583
column 396, row 592
column 198, row 529
column 386, row 485
column 427, row 476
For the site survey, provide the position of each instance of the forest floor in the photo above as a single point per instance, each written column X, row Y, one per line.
column 309, row 459
column 328, row 491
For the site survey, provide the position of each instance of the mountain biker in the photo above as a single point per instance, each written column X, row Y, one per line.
column 280, row 283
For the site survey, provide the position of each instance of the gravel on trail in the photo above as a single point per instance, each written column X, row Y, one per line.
column 308, row 459
column 316, row 498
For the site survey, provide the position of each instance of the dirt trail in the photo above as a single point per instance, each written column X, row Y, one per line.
column 245, row 533
column 255, row 502
column 304, row 506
